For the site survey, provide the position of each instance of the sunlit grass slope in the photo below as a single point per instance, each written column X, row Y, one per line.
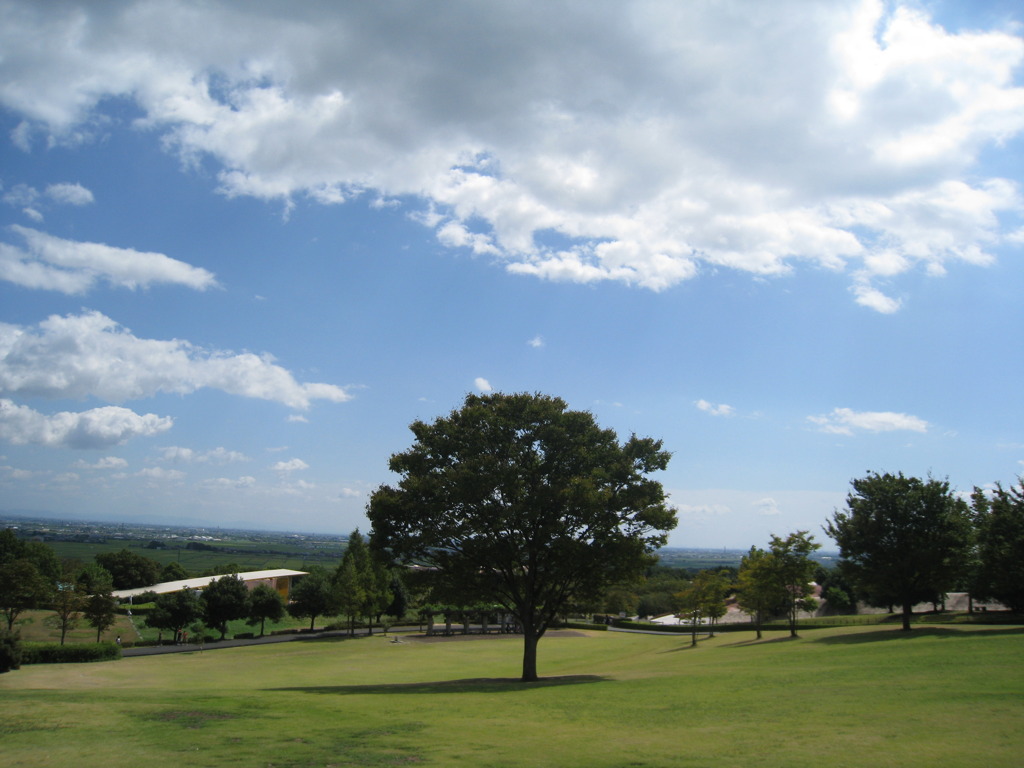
column 856, row 696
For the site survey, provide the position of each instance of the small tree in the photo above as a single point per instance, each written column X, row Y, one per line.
column 703, row 598
column 264, row 603
column 226, row 599
column 22, row 587
column 794, row 571
column 100, row 607
column 67, row 602
column 314, row 595
column 760, row 592
column 902, row 540
column 174, row 611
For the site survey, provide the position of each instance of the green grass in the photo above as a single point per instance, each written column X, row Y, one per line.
column 848, row 696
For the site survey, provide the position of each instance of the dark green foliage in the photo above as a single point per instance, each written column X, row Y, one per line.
column 903, row 540
column 100, row 611
column 999, row 522
column 174, row 611
column 22, row 587
column 264, row 603
column 67, row 601
column 173, row 572
column 52, row 653
column 10, row 651
column 313, row 595
column 516, row 500
column 793, row 569
column 224, row 600
column 130, row 570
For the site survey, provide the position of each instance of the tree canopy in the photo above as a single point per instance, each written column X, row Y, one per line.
column 519, row 501
column 902, row 540
column 999, row 522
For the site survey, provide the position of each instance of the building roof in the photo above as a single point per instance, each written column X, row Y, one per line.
column 204, row 581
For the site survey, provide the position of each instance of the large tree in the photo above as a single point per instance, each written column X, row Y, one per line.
column 21, row 587
column 794, row 571
column 760, row 593
column 903, row 540
column 999, row 521
column 129, row 569
column 174, row 611
column 519, row 501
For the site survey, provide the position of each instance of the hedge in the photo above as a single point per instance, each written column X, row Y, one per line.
column 54, row 653
column 580, row 625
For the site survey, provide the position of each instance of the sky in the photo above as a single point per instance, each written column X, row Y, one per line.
column 244, row 245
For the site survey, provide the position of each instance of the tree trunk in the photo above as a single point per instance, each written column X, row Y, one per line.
column 529, row 655
column 908, row 611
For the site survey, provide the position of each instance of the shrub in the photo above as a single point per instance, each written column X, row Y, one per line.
column 10, row 651
column 53, row 653
column 581, row 625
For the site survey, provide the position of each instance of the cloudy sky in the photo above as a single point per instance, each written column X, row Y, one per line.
column 243, row 245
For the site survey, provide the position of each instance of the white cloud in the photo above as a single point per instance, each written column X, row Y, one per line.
column 351, row 493
column 482, row 384
column 220, row 455
column 844, row 421
column 720, row 409
column 95, row 428
column 245, row 481
column 291, row 465
column 161, row 474
column 107, row 462
column 90, row 355
column 52, row 263
column 536, row 342
column 656, row 141
column 69, row 194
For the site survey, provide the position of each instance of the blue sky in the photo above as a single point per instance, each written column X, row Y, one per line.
column 243, row 246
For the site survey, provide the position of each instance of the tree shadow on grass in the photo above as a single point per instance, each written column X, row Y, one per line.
column 787, row 638
column 896, row 634
column 468, row 685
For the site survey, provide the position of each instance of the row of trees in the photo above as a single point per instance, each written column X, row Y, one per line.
column 31, row 576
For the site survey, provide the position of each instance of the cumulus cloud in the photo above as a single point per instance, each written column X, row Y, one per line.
column 69, row 194
column 91, row 355
column 179, row 455
column 844, row 421
column 68, row 266
column 291, row 465
column 107, row 462
column 720, row 409
column 656, row 141
column 536, row 342
column 95, row 428
column 482, row 384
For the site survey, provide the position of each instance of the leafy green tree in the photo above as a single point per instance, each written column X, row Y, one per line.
column 362, row 581
column 794, row 571
column 902, row 540
column 100, row 612
column 399, row 604
column 703, row 599
column 761, row 593
column 174, row 611
column 224, row 600
column 130, row 570
column 313, row 595
column 518, row 501
column 67, row 601
column 10, row 651
column 22, row 588
column 41, row 555
column 264, row 603
column 999, row 522
column 173, row 571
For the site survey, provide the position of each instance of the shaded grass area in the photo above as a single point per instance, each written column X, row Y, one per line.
column 854, row 696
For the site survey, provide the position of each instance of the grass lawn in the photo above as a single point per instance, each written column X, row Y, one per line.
column 849, row 696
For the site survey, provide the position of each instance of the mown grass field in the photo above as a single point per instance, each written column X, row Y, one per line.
column 849, row 696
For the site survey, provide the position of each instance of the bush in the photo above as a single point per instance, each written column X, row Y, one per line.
column 580, row 625
column 10, row 651
column 54, row 653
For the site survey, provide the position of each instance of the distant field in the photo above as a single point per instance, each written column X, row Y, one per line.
column 851, row 696
column 246, row 555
